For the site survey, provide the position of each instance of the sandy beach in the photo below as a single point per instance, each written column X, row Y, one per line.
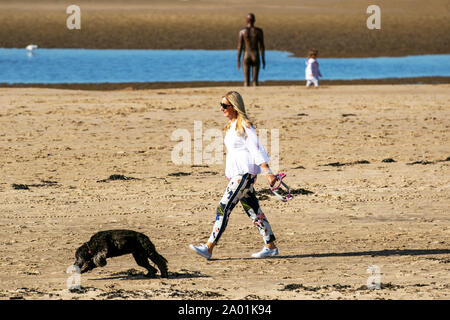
column 353, row 207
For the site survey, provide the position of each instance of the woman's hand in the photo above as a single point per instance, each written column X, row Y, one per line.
column 271, row 179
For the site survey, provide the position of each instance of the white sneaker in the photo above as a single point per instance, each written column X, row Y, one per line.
column 265, row 252
column 201, row 250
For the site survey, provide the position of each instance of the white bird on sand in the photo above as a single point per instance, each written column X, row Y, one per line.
column 31, row 47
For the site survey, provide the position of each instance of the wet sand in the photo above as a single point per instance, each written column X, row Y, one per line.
column 207, row 84
column 353, row 207
column 337, row 28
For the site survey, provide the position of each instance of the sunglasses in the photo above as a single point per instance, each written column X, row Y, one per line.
column 223, row 105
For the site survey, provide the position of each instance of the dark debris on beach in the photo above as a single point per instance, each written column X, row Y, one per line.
column 45, row 183
column 115, row 177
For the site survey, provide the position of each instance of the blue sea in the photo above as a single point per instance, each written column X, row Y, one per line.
column 115, row 66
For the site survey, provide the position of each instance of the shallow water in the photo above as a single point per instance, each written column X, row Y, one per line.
column 99, row 66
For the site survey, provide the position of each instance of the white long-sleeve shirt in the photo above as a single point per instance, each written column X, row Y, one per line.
column 312, row 71
column 244, row 154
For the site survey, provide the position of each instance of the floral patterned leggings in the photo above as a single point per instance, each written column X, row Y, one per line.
column 240, row 188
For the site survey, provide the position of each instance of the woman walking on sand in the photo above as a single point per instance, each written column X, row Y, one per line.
column 246, row 158
column 312, row 72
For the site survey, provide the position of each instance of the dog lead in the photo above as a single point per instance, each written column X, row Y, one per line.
column 274, row 189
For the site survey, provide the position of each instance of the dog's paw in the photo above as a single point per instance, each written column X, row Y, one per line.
column 164, row 273
column 150, row 275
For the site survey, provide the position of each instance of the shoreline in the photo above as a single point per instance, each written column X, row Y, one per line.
column 292, row 53
column 201, row 84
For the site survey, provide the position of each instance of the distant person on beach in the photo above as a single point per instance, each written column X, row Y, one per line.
column 246, row 158
column 312, row 72
column 251, row 40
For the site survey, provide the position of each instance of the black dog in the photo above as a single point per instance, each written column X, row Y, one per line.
column 113, row 243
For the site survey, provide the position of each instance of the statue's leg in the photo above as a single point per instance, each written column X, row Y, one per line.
column 255, row 73
column 246, row 71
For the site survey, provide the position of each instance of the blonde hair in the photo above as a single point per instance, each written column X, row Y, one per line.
column 235, row 99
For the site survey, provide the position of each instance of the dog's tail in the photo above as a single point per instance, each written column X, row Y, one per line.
column 153, row 255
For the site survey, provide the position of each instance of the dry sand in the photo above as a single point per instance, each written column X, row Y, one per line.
column 394, row 215
column 337, row 28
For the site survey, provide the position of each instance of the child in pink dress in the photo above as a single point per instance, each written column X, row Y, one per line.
column 312, row 72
